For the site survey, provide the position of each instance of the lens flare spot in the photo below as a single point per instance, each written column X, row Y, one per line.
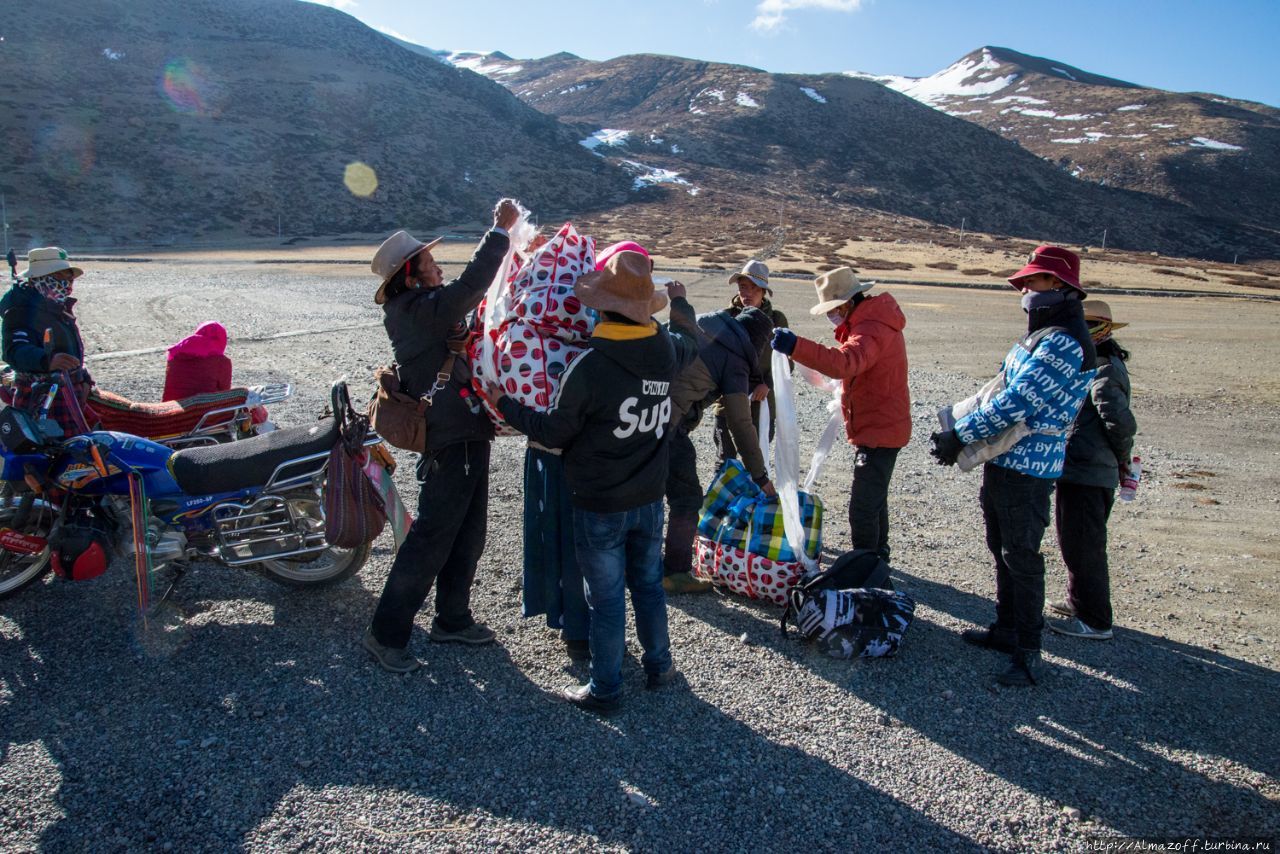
column 360, row 179
column 185, row 86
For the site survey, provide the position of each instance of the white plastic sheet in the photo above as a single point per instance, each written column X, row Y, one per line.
column 762, row 430
column 497, row 298
column 786, row 458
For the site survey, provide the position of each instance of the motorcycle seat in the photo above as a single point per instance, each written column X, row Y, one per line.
column 233, row 466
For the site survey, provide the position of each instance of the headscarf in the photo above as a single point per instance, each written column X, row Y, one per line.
column 51, row 287
column 209, row 339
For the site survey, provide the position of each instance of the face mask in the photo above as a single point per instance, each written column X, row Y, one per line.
column 835, row 317
column 1032, row 300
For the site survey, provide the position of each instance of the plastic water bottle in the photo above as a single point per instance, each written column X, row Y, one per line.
column 1129, row 482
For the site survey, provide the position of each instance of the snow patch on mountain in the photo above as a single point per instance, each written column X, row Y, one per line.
column 964, row 79
column 813, row 94
column 605, row 136
column 1204, row 142
column 745, row 100
column 1128, row 108
column 649, row 176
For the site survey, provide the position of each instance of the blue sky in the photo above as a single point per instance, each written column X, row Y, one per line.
column 1221, row 46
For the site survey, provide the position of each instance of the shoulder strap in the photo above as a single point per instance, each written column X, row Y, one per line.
column 1033, row 340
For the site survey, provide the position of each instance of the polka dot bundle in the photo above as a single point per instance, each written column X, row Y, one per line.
column 742, row 572
column 542, row 291
column 544, row 326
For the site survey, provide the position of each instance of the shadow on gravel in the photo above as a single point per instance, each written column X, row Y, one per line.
column 266, row 725
column 1120, row 730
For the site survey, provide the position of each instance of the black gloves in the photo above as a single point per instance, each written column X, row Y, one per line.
column 945, row 447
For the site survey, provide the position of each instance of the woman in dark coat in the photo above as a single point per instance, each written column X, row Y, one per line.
column 426, row 322
column 38, row 305
column 1099, row 449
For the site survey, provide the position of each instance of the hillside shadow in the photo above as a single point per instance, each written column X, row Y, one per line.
column 240, row 732
column 1136, row 715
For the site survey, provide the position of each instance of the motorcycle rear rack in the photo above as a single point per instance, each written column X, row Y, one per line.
column 282, row 479
column 270, row 394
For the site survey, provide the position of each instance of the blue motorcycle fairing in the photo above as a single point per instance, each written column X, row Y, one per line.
column 121, row 453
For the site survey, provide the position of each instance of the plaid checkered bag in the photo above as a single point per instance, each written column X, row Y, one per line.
column 737, row 514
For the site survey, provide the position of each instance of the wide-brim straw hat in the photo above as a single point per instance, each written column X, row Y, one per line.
column 837, row 287
column 46, row 261
column 624, row 286
column 1097, row 311
column 394, row 252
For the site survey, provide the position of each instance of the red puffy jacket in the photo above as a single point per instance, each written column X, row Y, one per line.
column 871, row 360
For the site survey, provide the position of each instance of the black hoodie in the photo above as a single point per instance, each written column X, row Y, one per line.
column 610, row 417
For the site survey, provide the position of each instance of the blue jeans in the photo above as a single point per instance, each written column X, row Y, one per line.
column 618, row 551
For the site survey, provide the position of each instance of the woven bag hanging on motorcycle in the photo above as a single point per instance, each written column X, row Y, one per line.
column 353, row 508
column 533, row 326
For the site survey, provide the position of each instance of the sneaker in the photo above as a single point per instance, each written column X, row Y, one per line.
column 476, row 634
column 581, row 696
column 1025, row 669
column 1063, row 607
column 1078, row 628
column 998, row 639
column 654, row 681
column 389, row 658
column 684, row 582
column 578, row 650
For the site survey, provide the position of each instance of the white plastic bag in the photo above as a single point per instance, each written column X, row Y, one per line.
column 786, row 458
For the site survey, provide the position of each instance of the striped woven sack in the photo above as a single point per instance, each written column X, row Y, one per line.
column 737, row 514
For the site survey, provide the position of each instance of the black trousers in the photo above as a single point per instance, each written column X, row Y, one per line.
column 1081, row 513
column 1015, row 508
column 684, row 490
column 869, row 498
column 443, row 546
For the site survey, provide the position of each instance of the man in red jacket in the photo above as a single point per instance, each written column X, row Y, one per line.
column 871, row 362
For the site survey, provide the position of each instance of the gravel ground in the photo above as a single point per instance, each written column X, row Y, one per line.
column 252, row 718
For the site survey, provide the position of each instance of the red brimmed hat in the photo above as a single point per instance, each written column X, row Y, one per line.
column 1054, row 260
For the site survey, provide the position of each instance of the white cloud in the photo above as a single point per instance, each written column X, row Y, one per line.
column 336, row 4
column 387, row 31
column 770, row 14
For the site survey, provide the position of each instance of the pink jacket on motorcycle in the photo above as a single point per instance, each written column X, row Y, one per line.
column 198, row 363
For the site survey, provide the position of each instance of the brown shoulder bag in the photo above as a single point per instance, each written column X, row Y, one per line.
column 399, row 417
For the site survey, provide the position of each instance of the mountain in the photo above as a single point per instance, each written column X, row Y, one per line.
column 152, row 121
column 1217, row 155
column 838, row 150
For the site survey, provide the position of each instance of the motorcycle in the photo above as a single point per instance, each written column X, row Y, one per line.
column 254, row 504
column 203, row 419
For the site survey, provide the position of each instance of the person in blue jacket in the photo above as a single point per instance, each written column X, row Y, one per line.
column 1047, row 376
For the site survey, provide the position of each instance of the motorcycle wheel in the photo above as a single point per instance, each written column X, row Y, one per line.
column 332, row 566
column 18, row 571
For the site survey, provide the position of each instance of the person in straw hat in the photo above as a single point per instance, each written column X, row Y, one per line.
column 752, row 283
column 1098, row 451
column 870, row 360
column 426, row 322
column 40, row 304
column 1047, row 375
column 610, row 417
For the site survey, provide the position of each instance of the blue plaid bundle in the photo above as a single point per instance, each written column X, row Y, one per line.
column 737, row 514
